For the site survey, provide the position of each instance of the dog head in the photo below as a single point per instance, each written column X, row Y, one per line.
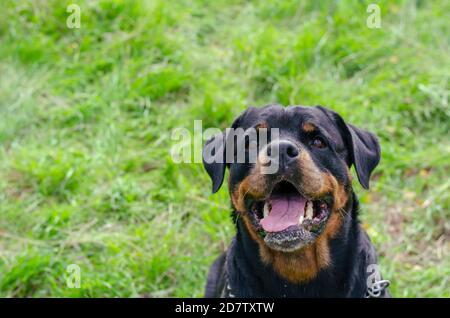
column 289, row 171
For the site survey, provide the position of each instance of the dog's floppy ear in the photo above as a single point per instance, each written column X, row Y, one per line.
column 365, row 153
column 215, row 153
column 363, row 147
column 214, row 160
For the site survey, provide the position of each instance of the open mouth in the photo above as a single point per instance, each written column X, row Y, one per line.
column 287, row 219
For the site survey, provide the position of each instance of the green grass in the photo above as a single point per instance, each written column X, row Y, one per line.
column 86, row 117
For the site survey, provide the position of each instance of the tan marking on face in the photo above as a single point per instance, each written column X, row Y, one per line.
column 298, row 266
column 338, row 190
column 311, row 177
column 253, row 185
column 262, row 125
column 237, row 196
column 301, row 265
column 264, row 163
column 305, row 264
column 251, row 230
column 308, row 127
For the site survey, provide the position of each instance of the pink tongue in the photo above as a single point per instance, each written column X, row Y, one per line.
column 286, row 211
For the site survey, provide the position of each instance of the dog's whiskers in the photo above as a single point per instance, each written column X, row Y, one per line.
column 343, row 212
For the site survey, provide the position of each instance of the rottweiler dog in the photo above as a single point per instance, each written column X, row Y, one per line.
column 293, row 204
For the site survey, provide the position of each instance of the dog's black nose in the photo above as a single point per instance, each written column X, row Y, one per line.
column 288, row 152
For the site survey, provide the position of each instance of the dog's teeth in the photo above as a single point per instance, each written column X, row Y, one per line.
column 309, row 210
column 266, row 209
column 300, row 219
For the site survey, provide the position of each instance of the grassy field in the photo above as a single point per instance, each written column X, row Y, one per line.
column 86, row 116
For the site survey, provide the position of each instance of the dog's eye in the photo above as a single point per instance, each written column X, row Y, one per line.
column 318, row 142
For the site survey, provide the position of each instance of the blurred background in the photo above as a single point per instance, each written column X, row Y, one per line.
column 86, row 116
